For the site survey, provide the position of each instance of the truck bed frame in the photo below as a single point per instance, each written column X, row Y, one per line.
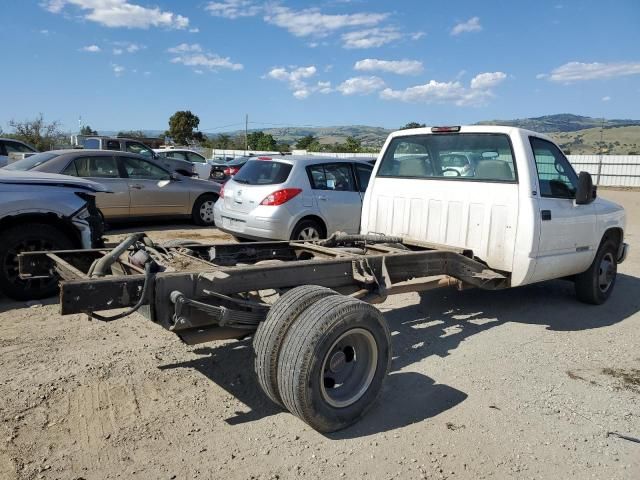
column 213, row 291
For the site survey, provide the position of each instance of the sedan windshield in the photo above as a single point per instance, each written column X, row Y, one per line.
column 31, row 162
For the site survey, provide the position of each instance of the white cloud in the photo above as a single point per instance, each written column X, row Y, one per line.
column 311, row 22
column 234, row 8
column 120, row 13
column 369, row 38
column 606, row 98
column 44, row 32
column 193, row 55
column 417, row 35
column 121, row 47
column 578, row 71
column 118, row 70
column 454, row 92
column 185, row 47
column 401, row 67
column 91, row 49
column 471, row 25
column 487, row 80
column 361, row 85
column 297, row 79
column 194, row 30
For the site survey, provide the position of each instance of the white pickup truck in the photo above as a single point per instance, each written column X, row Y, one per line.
column 519, row 206
column 484, row 207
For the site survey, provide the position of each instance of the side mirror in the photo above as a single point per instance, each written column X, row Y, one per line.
column 586, row 192
column 175, row 177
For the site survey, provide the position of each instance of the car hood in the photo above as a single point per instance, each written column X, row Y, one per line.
column 51, row 179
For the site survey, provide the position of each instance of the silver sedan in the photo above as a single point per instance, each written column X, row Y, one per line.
column 140, row 187
column 293, row 197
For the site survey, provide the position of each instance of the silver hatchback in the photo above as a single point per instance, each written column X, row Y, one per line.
column 293, row 197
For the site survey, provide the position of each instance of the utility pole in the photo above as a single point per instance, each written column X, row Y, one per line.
column 246, row 133
column 601, row 152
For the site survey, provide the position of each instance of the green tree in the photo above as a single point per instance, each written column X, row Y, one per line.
column 413, row 125
column 181, row 126
column 223, row 141
column 352, row 145
column 87, row 130
column 305, row 142
column 37, row 132
column 283, row 147
column 261, row 141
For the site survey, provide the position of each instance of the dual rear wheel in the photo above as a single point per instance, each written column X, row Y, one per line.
column 323, row 356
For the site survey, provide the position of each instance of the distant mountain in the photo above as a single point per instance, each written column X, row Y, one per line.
column 563, row 122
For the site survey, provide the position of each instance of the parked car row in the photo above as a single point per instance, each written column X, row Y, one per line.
column 138, row 186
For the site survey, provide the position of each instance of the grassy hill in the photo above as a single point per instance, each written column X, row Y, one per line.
column 615, row 141
column 563, row 122
column 575, row 133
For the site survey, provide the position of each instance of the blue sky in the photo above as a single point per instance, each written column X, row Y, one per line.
column 129, row 64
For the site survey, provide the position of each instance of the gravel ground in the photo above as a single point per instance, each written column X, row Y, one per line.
column 526, row 383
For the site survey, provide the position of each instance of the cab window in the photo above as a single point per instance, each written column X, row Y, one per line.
column 556, row 176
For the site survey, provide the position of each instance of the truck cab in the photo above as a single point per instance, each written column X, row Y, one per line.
column 520, row 206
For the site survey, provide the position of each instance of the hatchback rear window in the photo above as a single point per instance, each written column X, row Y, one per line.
column 263, row 172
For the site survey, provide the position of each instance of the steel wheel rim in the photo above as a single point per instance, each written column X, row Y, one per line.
column 206, row 211
column 348, row 368
column 606, row 272
column 309, row 233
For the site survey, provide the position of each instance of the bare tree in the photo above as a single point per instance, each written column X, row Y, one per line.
column 37, row 132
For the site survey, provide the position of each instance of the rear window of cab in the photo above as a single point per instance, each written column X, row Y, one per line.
column 263, row 172
column 457, row 156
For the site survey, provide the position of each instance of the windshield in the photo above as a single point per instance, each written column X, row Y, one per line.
column 32, row 161
column 263, row 172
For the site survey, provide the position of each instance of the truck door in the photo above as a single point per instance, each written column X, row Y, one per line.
column 567, row 241
column 335, row 193
column 152, row 190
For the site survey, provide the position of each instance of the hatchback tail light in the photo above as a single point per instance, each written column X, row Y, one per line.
column 231, row 171
column 221, row 193
column 280, row 196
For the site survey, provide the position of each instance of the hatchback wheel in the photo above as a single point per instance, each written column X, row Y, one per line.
column 308, row 230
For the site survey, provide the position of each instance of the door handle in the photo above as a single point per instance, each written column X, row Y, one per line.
column 322, row 197
column 546, row 215
column 137, row 186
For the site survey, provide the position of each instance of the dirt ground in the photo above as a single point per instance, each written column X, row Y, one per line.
column 522, row 384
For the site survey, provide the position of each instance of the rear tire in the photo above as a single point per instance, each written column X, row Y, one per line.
column 308, row 230
column 267, row 342
column 333, row 362
column 202, row 213
column 30, row 237
column 595, row 285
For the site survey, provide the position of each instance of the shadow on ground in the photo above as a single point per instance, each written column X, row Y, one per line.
column 436, row 325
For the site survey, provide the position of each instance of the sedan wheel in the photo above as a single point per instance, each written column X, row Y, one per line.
column 206, row 211
column 203, row 210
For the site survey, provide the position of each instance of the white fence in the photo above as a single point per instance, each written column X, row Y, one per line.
column 606, row 170
column 609, row 170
